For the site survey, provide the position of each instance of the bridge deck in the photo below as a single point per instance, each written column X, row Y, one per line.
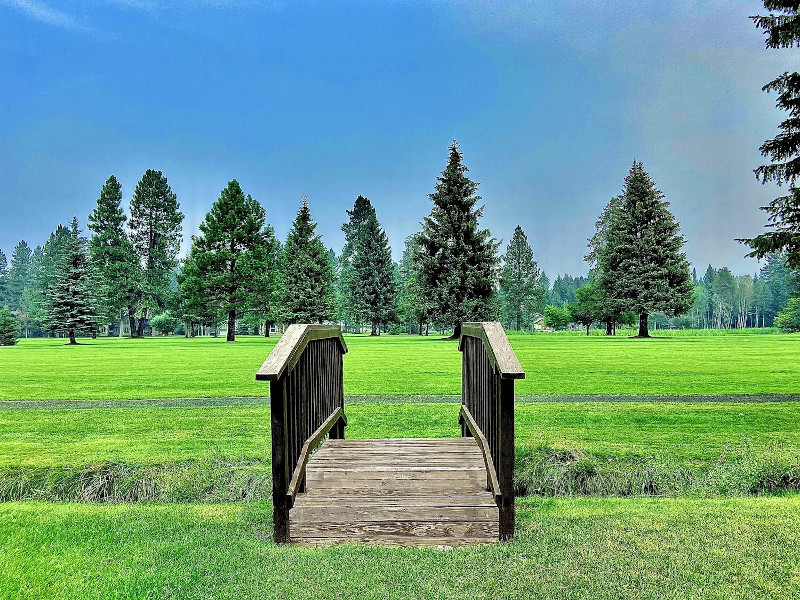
column 398, row 492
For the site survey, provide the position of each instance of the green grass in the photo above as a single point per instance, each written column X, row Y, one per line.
column 213, row 453
column 556, row 364
column 688, row 431
column 575, row 548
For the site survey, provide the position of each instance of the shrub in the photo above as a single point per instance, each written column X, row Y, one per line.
column 165, row 323
column 788, row 319
column 556, row 318
column 9, row 328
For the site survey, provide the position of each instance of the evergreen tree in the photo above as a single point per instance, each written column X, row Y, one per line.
column 458, row 269
column 112, row 253
column 19, row 274
column 3, row 279
column 519, row 282
column 347, row 280
column 373, row 290
column 644, row 268
column 230, row 255
column 782, row 31
column 413, row 305
column 155, row 232
column 607, row 308
column 71, row 303
column 9, row 328
column 308, row 274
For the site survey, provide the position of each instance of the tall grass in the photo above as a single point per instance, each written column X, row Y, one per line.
column 740, row 471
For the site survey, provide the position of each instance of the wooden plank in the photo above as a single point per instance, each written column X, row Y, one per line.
column 498, row 348
column 291, row 345
column 393, row 541
column 303, row 514
column 328, row 497
column 300, row 469
column 443, row 529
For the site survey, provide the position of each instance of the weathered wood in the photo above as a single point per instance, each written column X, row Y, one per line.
column 300, row 468
column 307, row 402
column 494, row 484
column 290, row 346
column 357, row 491
column 489, row 369
column 499, row 349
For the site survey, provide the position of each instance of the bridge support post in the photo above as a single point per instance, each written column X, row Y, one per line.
column 280, row 466
column 507, row 456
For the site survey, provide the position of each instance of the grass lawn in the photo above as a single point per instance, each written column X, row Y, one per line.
column 567, row 548
column 556, row 364
column 686, row 431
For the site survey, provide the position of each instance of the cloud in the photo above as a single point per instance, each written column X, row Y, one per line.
column 43, row 13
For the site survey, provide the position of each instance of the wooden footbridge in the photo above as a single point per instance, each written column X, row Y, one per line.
column 406, row 492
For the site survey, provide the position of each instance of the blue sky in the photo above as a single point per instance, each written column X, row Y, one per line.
column 550, row 101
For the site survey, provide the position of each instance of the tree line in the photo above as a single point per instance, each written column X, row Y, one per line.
column 127, row 273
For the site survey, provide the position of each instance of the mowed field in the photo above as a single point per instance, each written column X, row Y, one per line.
column 556, row 364
column 160, row 448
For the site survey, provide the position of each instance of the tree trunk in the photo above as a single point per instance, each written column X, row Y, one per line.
column 140, row 327
column 132, row 321
column 72, row 339
column 374, row 329
column 266, row 328
column 456, row 331
column 231, row 337
column 643, row 332
column 587, row 328
column 609, row 328
column 94, row 333
column 121, row 325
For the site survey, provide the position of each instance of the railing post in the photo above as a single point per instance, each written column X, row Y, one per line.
column 507, row 457
column 280, row 464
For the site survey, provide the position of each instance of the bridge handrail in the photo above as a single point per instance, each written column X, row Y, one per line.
column 489, row 368
column 306, row 402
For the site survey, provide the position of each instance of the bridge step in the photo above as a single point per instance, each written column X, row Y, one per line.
column 395, row 492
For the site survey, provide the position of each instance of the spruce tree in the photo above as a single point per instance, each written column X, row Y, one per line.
column 458, row 260
column 3, row 279
column 20, row 275
column 606, row 308
column 413, row 305
column 230, row 255
column 520, row 292
column 782, row 31
column 9, row 328
column 308, row 274
column 71, row 302
column 155, row 231
column 347, row 280
column 644, row 268
column 373, row 290
column 112, row 253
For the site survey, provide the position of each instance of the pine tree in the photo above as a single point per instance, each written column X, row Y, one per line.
column 458, row 269
column 607, row 308
column 9, row 328
column 519, row 281
column 373, row 290
column 782, row 31
column 155, row 232
column 3, row 279
column 308, row 275
column 644, row 268
column 112, row 253
column 19, row 274
column 71, row 302
column 413, row 305
column 347, row 280
column 230, row 255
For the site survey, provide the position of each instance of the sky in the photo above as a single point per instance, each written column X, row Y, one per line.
column 550, row 101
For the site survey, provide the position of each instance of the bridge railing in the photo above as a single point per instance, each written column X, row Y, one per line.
column 489, row 368
column 306, row 403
